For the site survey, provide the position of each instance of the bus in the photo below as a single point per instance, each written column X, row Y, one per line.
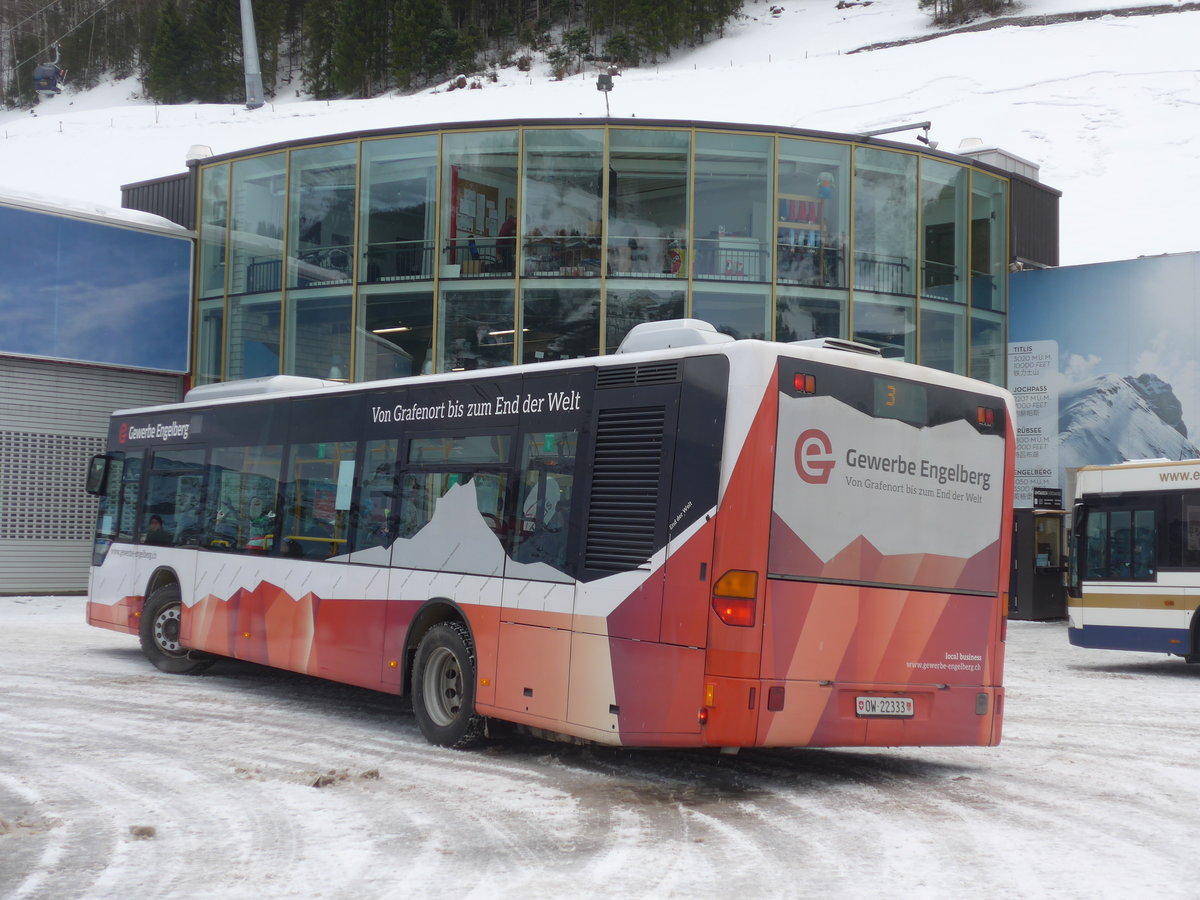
column 693, row 542
column 1134, row 580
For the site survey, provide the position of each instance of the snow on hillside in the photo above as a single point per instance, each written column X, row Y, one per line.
column 1111, row 419
column 1106, row 107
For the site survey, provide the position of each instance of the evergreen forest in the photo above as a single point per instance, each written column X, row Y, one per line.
column 191, row 50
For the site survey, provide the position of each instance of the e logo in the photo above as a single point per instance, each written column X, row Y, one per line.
column 814, row 456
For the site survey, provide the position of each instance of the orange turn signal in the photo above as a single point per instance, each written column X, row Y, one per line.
column 734, row 597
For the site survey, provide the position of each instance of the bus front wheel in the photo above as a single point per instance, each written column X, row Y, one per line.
column 444, row 687
column 159, row 634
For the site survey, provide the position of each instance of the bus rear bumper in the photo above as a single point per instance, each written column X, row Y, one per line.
column 813, row 714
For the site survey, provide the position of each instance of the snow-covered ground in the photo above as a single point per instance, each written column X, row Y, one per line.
column 1107, row 107
column 118, row 781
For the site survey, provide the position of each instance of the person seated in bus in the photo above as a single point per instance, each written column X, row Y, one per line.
column 155, row 533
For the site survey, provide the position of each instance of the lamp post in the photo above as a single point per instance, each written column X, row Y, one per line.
column 604, row 82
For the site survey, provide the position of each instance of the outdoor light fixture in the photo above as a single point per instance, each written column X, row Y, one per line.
column 923, row 138
column 604, row 82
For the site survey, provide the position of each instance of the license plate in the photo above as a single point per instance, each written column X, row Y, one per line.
column 897, row 707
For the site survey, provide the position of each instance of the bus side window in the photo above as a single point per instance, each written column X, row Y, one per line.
column 316, row 499
column 1097, row 546
column 171, row 509
column 243, row 486
column 1143, row 544
column 377, row 510
column 131, row 479
column 109, row 512
column 1190, row 534
column 547, row 487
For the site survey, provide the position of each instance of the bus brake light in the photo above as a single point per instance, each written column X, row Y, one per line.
column 734, row 596
column 805, row 384
column 986, row 417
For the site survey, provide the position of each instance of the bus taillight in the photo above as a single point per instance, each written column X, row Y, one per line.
column 986, row 417
column 734, row 597
column 804, row 384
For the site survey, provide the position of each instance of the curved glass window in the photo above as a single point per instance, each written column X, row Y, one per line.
column 479, row 188
column 741, row 310
column 811, row 213
column 395, row 331
column 214, row 216
column 321, row 215
column 989, row 235
column 389, row 256
column 256, row 225
column 885, row 221
column 733, row 196
column 562, row 211
column 398, row 227
column 647, row 203
column 802, row 315
column 943, row 335
column 559, row 322
column 628, row 304
column 475, row 327
column 943, row 235
column 252, row 342
column 886, row 322
column 987, row 347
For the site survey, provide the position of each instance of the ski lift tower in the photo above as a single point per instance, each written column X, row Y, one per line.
column 254, row 85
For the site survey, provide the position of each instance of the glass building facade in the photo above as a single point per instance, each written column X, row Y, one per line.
column 388, row 254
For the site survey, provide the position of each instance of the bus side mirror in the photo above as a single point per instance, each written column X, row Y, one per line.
column 97, row 475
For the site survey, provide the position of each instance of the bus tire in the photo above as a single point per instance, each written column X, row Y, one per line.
column 159, row 634
column 444, row 687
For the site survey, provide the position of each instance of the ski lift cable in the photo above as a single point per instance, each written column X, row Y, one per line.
column 32, row 15
column 54, row 43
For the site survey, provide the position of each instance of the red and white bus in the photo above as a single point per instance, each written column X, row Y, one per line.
column 693, row 542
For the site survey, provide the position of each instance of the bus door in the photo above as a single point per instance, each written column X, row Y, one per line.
column 534, row 647
column 169, row 514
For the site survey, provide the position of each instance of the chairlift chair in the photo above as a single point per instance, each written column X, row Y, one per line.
column 48, row 77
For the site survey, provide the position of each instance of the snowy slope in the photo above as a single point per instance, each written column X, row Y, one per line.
column 1105, row 106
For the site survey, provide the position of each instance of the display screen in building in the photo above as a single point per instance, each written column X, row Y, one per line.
column 84, row 291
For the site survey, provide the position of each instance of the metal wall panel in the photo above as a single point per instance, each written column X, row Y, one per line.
column 1033, row 229
column 53, row 417
column 172, row 197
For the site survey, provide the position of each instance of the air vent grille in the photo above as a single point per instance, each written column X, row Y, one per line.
column 626, row 478
column 634, row 376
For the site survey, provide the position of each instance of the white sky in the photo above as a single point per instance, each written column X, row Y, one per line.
column 1108, row 109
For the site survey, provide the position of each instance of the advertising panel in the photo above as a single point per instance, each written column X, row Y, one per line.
column 1126, row 383
column 883, row 500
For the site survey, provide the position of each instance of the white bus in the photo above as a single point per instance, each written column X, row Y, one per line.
column 693, row 542
column 1135, row 560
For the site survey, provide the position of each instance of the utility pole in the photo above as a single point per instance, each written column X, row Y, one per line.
column 254, row 85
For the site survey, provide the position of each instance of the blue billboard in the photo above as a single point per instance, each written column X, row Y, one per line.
column 1106, row 359
column 80, row 290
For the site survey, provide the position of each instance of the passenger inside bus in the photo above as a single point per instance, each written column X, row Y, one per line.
column 155, row 533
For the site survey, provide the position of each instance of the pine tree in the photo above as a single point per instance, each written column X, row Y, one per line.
column 317, row 30
column 170, row 57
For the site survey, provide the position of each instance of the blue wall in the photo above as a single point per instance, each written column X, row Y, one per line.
column 89, row 292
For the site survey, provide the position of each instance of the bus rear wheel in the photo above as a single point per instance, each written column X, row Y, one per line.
column 444, row 687
column 159, row 634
